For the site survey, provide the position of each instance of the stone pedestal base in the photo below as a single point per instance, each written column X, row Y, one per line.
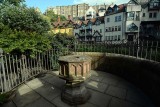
column 74, row 95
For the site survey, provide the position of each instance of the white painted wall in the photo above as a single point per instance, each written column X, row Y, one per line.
column 114, row 34
column 97, row 28
column 146, row 18
column 90, row 11
column 76, row 31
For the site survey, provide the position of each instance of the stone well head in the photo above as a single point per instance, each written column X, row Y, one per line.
column 75, row 68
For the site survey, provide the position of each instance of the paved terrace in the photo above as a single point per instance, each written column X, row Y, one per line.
column 107, row 91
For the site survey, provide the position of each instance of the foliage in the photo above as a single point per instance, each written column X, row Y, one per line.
column 13, row 2
column 61, row 40
column 22, row 18
column 6, row 96
column 53, row 17
column 13, row 41
column 3, row 98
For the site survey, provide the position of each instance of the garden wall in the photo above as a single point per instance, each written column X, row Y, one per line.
column 143, row 73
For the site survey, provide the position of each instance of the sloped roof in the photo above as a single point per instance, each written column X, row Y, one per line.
column 93, row 20
column 101, row 19
column 62, row 23
column 86, row 22
column 121, row 8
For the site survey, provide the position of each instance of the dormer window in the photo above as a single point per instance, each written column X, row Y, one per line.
column 109, row 9
column 98, row 22
column 90, row 12
column 130, row 15
column 154, row 4
column 115, row 8
column 132, row 27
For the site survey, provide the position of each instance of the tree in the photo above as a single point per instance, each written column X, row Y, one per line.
column 13, row 2
column 13, row 41
column 22, row 18
column 53, row 17
column 22, row 30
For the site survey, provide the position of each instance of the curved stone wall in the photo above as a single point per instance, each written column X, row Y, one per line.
column 143, row 73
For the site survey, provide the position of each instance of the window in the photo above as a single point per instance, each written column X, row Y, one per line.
column 90, row 12
column 115, row 38
column 101, row 10
column 132, row 27
column 100, row 30
column 154, row 4
column 154, row 15
column 112, row 37
column 108, row 19
column 109, row 38
column 70, row 30
column 106, row 29
column 119, row 28
column 119, row 37
column 115, row 28
column 150, row 15
column 143, row 15
column 115, row 9
column 119, row 18
column 109, row 28
column 116, row 19
column 106, row 38
column 110, row 10
column 130, row 15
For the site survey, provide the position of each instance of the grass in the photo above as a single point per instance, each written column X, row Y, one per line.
column 6, row 97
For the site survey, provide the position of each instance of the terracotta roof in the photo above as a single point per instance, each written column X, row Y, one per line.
column 62, row 23
column 101, row 19
column 85, row 22
column 93, row 20
column 121, row 8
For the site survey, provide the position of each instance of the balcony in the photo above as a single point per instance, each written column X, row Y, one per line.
column 114, row 71
column 89, row 28
column 82, row 34
column 88, row 34
column 82, row 28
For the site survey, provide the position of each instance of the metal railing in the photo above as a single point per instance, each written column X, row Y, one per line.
column 143, row 49
column 16, row 69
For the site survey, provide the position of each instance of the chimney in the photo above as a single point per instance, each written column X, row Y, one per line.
column 59, row 19
column 69, row 17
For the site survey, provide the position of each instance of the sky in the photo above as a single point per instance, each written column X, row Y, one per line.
column 43, row 4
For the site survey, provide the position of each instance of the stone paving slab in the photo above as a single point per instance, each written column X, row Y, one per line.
column 115, row 102
column 116, row 92
column 54, row 80
column 138, row 97
column 99, row 99
column 110, row 81
column 101, row 87
column 126, row 85
column 97, row 78
column 107, row 90
column 9, row 104
column 57, row 101
column 41, row 102
column 87, row 105
column 24, row 96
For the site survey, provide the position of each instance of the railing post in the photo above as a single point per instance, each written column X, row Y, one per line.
column 5, row 89
column 137, row 48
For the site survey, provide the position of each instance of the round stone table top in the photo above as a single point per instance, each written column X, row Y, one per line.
column 75, row 58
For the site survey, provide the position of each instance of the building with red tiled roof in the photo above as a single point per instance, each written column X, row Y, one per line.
column 122, row 23
column 63, row 27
